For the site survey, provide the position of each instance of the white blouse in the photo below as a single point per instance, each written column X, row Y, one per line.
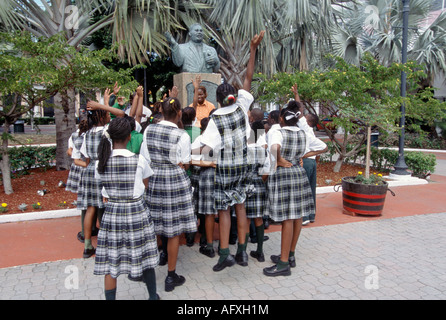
column 211, row 136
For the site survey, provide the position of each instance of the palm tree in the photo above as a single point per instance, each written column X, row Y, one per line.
column 376, row 26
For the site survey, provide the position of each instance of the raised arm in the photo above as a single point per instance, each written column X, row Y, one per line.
column 255, row 42
column 196, row 84
column 93, row 105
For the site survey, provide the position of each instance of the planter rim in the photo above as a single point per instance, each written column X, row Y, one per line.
column 363, row 184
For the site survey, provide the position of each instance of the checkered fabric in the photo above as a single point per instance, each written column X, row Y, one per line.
column 126, row 241
column 289, row 191
column 74, row 175
column 256, row 203
column 206, row 204
column 232, row 169
column 90, row 186
column 194, row 179
column 169, row 193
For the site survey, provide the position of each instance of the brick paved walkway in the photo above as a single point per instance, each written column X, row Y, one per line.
column 399, row 258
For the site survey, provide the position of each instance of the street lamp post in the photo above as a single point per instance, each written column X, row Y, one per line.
column 400, row 166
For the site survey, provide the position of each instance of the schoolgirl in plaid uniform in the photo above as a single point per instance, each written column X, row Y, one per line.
column 226, row 135
column 289, row 193
column 256, row 203
column 75, row 143
column 169, row 194
column 205, row 194
column 76, row 172
column 126, row 241
column 91, row 198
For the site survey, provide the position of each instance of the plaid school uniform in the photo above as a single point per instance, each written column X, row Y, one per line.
column 90, row 186
column 206, row 203
column 74, row 176
column 126, row 241
column 256, row 203
column 289, row 191
column 169, row 193
column 231, row 171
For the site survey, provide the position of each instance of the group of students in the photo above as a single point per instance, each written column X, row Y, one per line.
column 155, row 191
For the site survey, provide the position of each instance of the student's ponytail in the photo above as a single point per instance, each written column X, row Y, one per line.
column 226, row 95
column 104, row 151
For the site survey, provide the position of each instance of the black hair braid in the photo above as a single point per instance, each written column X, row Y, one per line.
column 118, row 130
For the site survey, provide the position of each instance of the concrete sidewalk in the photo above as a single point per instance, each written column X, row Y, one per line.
column 399, row 258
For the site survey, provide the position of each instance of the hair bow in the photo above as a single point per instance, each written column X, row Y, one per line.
column 292, row 115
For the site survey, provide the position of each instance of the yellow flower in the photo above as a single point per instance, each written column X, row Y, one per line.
column 359, row 172
column 38, row 203
column 380, row 175
column 4, row 205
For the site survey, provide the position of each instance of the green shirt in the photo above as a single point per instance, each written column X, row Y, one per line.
column 134, row 145
column 117, row 106
column 193, row 132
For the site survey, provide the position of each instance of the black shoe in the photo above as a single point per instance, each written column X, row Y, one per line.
column 242, row 258
column 274, row 272
column 88, row 253
column 254, row 240
column 171, row 282
column 291, row 260
column 163, row 259
column 228, row 262
column 258, row 255
column 190, row 239
column 207, row 251
column 80, row 237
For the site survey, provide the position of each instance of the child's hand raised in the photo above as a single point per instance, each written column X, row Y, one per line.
column 257, row 39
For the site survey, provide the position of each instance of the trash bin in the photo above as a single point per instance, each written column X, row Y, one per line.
column 374, row 139
column 19, row 126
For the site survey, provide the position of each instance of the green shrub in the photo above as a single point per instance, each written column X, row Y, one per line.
column 23, row 159
column 421, row 164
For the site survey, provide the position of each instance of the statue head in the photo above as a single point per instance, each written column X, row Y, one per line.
column 196, row 33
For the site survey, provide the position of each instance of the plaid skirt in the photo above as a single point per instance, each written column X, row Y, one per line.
column 194, row 178
column 206, row 203
column 91, row 189
column 289, row 194
column 256, row 203
column 169, row 196
column 230, row 185
column 74, row 177
column 126, row 241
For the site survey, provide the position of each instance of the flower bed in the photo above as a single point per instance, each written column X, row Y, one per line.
column 26, row 187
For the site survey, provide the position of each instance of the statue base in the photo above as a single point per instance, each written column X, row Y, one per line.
column 183, row 81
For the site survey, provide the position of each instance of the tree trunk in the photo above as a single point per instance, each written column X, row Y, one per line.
column 338, row 164
column 65, row 125
column 4, row 164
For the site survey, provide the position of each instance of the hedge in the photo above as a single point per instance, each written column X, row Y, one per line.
column 23, row 159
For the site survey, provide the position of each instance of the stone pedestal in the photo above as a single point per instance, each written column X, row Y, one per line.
column 183, row 81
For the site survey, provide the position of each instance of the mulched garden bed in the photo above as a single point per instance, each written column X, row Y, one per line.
column 26, row 187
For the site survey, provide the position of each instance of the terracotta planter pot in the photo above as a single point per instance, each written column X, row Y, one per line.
column 363, row 199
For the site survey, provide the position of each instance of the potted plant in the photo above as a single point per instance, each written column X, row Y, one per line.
column 364, row 194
